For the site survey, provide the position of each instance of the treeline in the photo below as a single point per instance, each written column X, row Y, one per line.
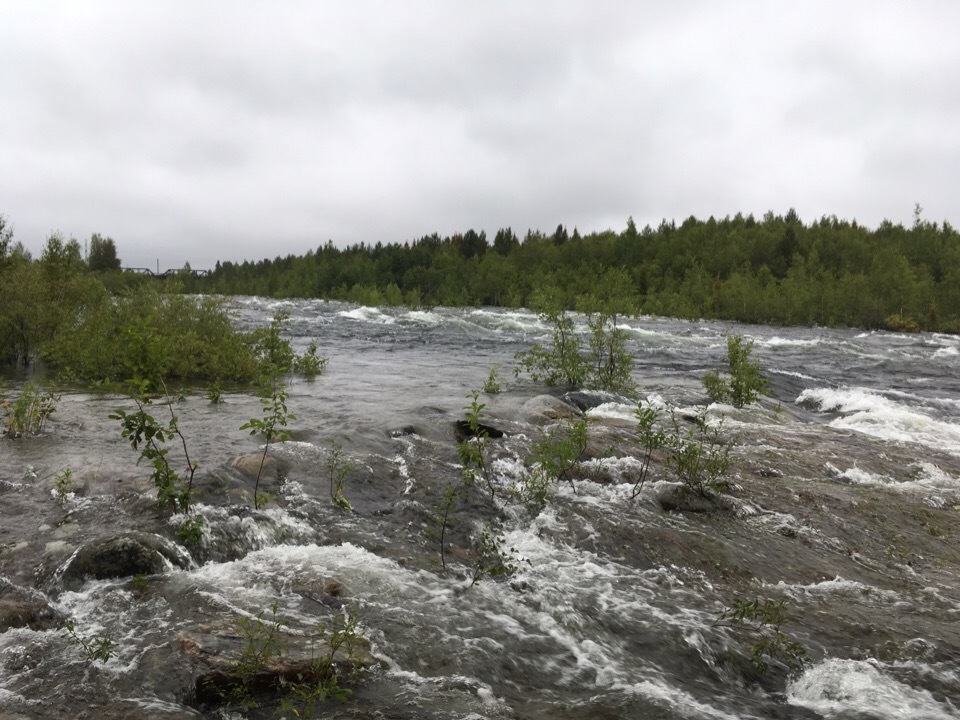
column 773, row 270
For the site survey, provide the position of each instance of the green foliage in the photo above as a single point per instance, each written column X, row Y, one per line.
column 27, row 414
column 651, row 437
column 763, row 619
column 744, row 384
column 472, row 450
column 145, row 358
column 63, row 485
column 554, row 458
column 195, row 337
column 562, row 363
column 102, row 255
column 309, row 364
column 262, row 641
column 774, row 269
column 215, row 392
column 609, row 362
column 272, row 423
column 443, row 516
column 190, row 531
column 606, row 364
column 337, row 470
column 99, row 647
column 494, row 558
column 303, row 696
column 272, row 348
column 698, row 455
column 491, row 385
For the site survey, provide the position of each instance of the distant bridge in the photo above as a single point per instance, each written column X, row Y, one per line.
column 171, row 272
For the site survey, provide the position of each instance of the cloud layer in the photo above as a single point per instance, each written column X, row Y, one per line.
column 191, row 132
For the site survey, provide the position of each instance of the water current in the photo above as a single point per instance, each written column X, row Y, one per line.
column 845, row 487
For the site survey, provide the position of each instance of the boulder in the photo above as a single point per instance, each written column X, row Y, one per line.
column 678, row 497
column 123, row 555
column 463, row 431
column 544, row 408
column 585, row 400
column 220, row 657
column 250, row 466
column 23, row 607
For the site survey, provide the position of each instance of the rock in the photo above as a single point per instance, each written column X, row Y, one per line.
column 543, row 408
column 585, row 400
column 217, row 655
column 679, row 497
column 250, row 465
column 23, row 607
column 462, row 430
column 123, row 556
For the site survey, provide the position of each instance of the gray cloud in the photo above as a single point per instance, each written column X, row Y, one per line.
column 217, row 130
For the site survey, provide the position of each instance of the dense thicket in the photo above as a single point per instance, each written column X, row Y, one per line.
column 774, row 270
column 79, row 318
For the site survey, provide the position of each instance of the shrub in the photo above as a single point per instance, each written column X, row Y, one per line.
column 698, row 454
column 555, row 456
column 562, row 363
column 744, row 384
column 271, row 425
column 27, row 415
column 764, row 620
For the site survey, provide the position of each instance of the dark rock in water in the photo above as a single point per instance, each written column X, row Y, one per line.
column 216, row 653
column 679, row 497
column 23, row 607
column 402, row 431
column 544, row 408
column 585, row 400
column 250, row 465
column 123, row 556
column 462, row 430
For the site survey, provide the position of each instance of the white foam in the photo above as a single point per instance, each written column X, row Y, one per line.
column 613, row 411
column 777, row 341
column 852, row 688
column 422, row 317
column 368, row 314
column 873, row 414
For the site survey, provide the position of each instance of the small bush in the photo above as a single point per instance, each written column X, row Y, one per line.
column 27, row 415
column 744, row 384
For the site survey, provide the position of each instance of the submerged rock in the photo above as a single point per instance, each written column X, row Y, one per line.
column 23, row 607
column 123, row 556
column 224, row 671
column 678, row 497
column 255, row 464
column 462, row 430
column 546, row 407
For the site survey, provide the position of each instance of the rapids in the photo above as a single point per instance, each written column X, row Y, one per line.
column 845, row 487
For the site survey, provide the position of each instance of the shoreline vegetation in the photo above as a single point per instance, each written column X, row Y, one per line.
column 67, row 308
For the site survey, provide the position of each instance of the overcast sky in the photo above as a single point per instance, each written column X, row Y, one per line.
column 204, row 130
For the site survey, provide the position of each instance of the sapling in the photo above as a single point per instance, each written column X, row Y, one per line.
column 651, row 437
column 764, row 619
column 337, row 470
column 743, row 384
column 271, row 425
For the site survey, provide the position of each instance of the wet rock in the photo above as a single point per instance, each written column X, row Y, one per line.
column 123, row 556
column 250, row 466
column 543, row 408
column 23, row 607
column 462, row 430
column 222, row 669
column 678, row 497
column 585, row 400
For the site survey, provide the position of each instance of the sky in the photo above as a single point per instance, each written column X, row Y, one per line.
column 196, row 131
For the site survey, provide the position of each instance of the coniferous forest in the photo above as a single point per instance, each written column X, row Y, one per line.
column 774, row 270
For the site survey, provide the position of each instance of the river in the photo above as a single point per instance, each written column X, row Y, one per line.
column 844, row 501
